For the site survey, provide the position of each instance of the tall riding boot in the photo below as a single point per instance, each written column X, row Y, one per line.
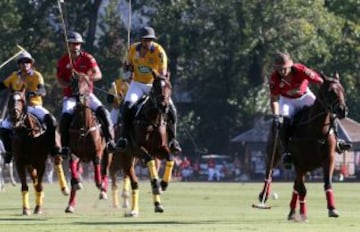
column 106, row 125
column 341, row 145
column 287, row 158
column 5, row 135
column 51, row 124
column 125, row 122
column 171, row 129
column 64, row 131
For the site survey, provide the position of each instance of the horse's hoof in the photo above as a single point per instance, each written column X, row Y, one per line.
column 26, row 212
column 69, row 209
column 38, row 210
column 302, row 218
column 261, row 196
column 163, row 185
column 126, row 203
column 132, row 213
column 65, row 191
column 77, row 186
column 334, row 213
column 158, row 208
column 292, row 215
column 103, row 195
column 125, row 194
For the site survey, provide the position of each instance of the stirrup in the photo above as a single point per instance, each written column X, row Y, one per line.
column 342, row 146
column 122, row 143
column 174, row 146
column 65, row 152
column 111, row 146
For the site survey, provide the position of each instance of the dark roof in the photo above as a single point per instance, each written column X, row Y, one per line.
column 348, row 129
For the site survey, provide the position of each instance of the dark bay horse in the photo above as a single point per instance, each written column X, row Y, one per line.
column 149, row 141
column 87, row 144
column 30, row 147
column 312, row 144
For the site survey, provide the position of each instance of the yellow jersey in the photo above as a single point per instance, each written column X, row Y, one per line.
column 119, row 90
column 154, row 59
column 16, row 81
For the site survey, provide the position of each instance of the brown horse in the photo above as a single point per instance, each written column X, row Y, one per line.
column 149, row 141
column 312, row 144
column 87, row 144
column 30, row 147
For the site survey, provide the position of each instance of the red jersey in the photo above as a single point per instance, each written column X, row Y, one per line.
column 83, row 63
column 298, row 84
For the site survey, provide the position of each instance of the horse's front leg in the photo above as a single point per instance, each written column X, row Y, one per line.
column 37, row 177
column 75, row 183
column 24, row 188
column 128, row 167
column 328, row 169
column 154, row 178
column 105, row 167
column 298, row 195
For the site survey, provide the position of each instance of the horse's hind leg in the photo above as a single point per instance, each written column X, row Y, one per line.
column 105, row 167
column 155, row 185
column 332, row 212
column 129, row 172
column 60, row 174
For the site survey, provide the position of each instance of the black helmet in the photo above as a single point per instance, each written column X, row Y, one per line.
column 148, row 33
column 25, row 56
column 75, row 37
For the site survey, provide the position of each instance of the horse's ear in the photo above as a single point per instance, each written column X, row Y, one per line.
column 336, row 76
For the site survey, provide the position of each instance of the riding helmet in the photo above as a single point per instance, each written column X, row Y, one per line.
column 75, row 37
column 147, row 33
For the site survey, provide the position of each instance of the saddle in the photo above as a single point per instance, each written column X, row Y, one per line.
column 30, row 125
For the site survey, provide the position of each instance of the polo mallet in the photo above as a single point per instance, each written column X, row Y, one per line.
column 262, row 204
column 13, row 57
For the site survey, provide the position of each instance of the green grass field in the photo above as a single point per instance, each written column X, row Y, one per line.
column 188, row 207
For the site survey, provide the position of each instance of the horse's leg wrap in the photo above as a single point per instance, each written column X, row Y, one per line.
column 330, row 198
column 25, row 199
column 135, row 200
column 152, row 169
column 61, row 177
column 39, row 197
column 167, row 174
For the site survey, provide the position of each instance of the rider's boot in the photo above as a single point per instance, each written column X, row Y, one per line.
column 172, row 119
column 5, row 135
column 64, row 131
column 106, row 125
column 51, row 125
column 125, row 122
column 287, row 159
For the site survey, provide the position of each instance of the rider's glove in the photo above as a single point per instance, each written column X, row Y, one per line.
column 277, row 120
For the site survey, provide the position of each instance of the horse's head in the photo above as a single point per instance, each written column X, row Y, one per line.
column 16, row 105
column 332, row 96
column 161, row 91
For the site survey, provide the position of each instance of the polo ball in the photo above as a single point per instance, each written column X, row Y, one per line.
column 275, row 196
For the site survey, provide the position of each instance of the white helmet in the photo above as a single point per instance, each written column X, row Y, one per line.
column 25, row 56
column 75, row 37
